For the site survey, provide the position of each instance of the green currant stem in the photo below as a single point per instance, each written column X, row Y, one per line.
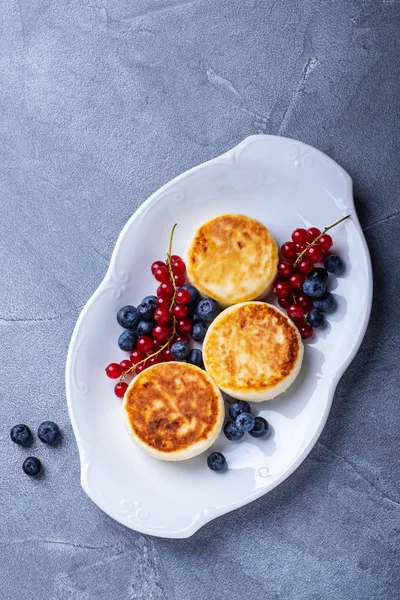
column 133, row 367
column 300, row 256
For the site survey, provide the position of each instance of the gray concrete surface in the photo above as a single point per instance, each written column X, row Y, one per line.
column 101, row 102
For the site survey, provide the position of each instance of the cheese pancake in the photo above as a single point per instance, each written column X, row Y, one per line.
column 253, row 351
column 232, row 258
column 174, row 411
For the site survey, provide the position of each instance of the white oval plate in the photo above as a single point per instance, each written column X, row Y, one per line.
column 285, row 184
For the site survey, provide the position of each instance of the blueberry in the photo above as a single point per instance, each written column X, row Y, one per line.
column 194, row 295
column 232, row 432
column 195, row 318
column 207, row 309
column 180, row 350
column 334, row 264
column 32, row 466
column 315, row 318
column 314, row 287
column 145, row 328
column 245, row 421
column 318, row 272
column 199, row 331
column 147, row 307
column 128, row 317
column 127, row 340
column 260, row 428
column 217, row 462
column 48, row 432
column 196, row 358
column 237, row 407
column 21, row 435
column 326, row 303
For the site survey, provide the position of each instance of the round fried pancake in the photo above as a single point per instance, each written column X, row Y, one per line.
column 232, row 258
column 253, row 351
column 174, row 410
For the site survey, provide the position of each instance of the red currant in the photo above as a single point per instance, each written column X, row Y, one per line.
column 162, row 315
column 296, row 280
column 302, row 299
column 145, row 343
column 295, row 312
column 162, row 274
column 301, row 248
column 313, row 233
column 160, row 333
column 306, row 331
column 157, row 265
column 156, row 346
column 136, row 356
column 314, row 253
column 305, row 266
column 179, row 279
column 325, row 242
column 300, row 236
column 284, row 302
column 183, row 296
column 113, row 371
column 282, row 288
column 140, row 368
column 126, row 365
column 289, row 250
column 178, row 266
column 175, row 257
column 167, row 356
column 154, row 360
column 163, row 302
column 166, row 289
column 285, row 268
column 120, row 389
column 180, row 311
column 181, row 338
column 184, row 326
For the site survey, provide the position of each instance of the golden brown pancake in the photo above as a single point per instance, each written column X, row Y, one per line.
column 253, row 351
column 232, row 258
column 174, row 410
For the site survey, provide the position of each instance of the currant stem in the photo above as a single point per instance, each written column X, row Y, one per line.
column 300, row 256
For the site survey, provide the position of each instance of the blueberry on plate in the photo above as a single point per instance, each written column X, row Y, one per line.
column 245, row 421
column 217, row 462
column 21, row 435
column 145, row 328
column 326, row 303
column 318, row 272
column 260, row 428
column 237, row 407
column 314, row 287
column 196, row 358
column 127, row 340
column 232, row 432
column 199, row 331
column 147, row 307
column 180, row 350
column 49, row 432
column 128, row 317
column 207, row 309
column 194, row 295
column 334, row 264
column 32, row 466
column 316, row 318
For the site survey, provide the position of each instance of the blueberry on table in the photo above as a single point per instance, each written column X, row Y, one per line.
column 326, row 303
column 237, row 407
column 318, row 272
column 128, row 317
column 32, row 466
column 145, row 328
column 334, row 264
column 147, row 307
column 127, row 340
column 245, row 421
column 196, row 358
column 217, row 462
column 194, row 295
column 21, row 435
column 260, row 428
column 199, row 331
column 207, row 309
column 314, row 287
column 316, row 318
column 232, row 432
column 49, row 432
column 180, row 351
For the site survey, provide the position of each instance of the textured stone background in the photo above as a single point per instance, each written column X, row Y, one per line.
column 101, row 102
